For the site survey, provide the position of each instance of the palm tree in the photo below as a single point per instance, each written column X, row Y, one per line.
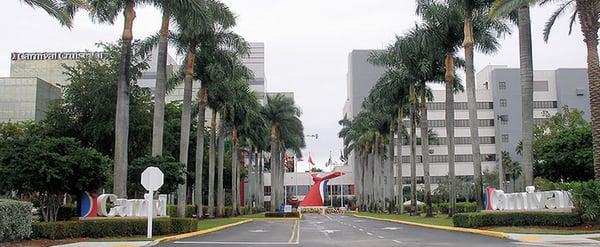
column 507, row 8
column 61, row 10
column 286, row 132
column 191, row 9
column 588, row 13
column 107, row 11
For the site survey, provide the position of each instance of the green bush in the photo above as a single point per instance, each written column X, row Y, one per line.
column 15, row 220
column 110, row 228
column 190, row 210
column 282, row 214
column 476, row 220
column 67, row 212
column 586, row 198
column 461, row 207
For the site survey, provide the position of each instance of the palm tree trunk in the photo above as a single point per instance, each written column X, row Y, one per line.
column 449, row 67
column 234, row 170
column 399, row 192
column 526, row 62
column 588, row 19
column 390, row 172
column 425, row 154
column 184, row 140
column 200, row 152
column 274, row 170
column 413, row 158
column 220, row 161
column 468, row 45
column 238, row 164
column 261, row 183
column 122, row 114
column 160, row 86
column 211, row 164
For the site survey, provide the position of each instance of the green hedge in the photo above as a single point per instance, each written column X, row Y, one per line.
column 110, row 228
column 461, row 207
column 190, row 211
column 475, row 220
column 281, row 214
column 15, row 220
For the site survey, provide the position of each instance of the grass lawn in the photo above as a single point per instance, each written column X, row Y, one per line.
column 253, row 216
column 546, row 230
column 211, row 223
column 440, row 220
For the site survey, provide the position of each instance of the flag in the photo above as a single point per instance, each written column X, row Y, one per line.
column 310, row 161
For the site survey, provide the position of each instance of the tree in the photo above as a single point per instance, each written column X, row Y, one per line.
column 46, row 168
column 87, row 110
column 168, row 165
column 190, row 9
column 512, row 168
column 521, row 7
column 107, row 11
column 283, row 118
column 563, row 147
column 62, row 10
column 588, row 13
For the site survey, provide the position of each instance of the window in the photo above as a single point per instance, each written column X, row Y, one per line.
column 580, row 91
column 502, row 85
column 540, row 86
column 503, row 103
column 505, row 138
column 503, row 119
column 544, row 104
column 267, row 190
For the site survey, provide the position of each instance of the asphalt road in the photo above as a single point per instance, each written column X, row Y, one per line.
column 336, row 230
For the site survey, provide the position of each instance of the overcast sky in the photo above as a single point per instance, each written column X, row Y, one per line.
column 306, row 47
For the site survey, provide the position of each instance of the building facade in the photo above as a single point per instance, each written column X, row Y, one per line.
column 25, row 98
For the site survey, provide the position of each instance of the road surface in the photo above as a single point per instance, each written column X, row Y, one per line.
column 336, row 230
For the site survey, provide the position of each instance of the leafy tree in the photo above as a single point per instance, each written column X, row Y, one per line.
column 45, row 168
column 61, row 10
column 172, row 170
column 87, row 110
column 563, row 147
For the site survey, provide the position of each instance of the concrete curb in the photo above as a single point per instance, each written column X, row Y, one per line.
column 446, row 228
column 276, row 219
column 197, row 233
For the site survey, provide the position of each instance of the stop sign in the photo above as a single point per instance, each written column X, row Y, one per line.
column 152, row 178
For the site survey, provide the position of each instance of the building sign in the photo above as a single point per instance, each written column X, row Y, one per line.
column 31, row 56
column 530, row 200
column 92, row 206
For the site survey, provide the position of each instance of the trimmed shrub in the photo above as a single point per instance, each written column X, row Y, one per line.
column 282, row 214
column 15, row 220
column 476, row 220
column 190, row 210
column 67, row 212
column 110, row 228
column 461, row 207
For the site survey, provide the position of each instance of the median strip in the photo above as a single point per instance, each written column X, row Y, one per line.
column 446, row 228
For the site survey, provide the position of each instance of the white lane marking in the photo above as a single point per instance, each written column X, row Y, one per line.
column 360, row 229
column 380, row 236
column 391, row 228
column 258, row 231
column 396, row 241
column 235, row 243
column 370, row 234
column 354, row 227
column 329, row 231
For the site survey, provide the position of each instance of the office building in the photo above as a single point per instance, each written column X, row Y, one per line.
column 25, row 98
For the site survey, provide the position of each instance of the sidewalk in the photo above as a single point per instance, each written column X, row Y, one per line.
column 107, row 244
column 582, row 239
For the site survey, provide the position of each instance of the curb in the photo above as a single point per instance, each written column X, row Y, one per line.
column 446, row 228
column 197, row 233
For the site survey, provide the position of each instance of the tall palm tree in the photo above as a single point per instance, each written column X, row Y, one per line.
column 507, row 8
column 106, row 11
column 588, row 13
column 286, row 129
column 62, row 10
column 191, row 9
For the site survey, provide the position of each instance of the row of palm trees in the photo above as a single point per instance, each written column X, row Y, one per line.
column 200, row 30
column 428, row 53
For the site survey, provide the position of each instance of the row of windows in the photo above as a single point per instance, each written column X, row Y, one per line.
column 437, row 179
column 538, row 86
column 457, row 123
column 303, row 189
column 536, row 104
column 459, row 105
column 467, row 140
column 444, row 158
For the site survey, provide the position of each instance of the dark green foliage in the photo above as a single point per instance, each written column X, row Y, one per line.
column 190, row 210
column 110, row 228
column 461, row 207
column 563, row 149
column 476, row 220
column 586, row 198
column 282, row 214
column 172, row 170
column 67, row 212
column 15, row 220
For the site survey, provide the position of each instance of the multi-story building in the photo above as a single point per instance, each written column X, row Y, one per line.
column 25, row 98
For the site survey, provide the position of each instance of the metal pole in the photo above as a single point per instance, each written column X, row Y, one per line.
column 342, row 195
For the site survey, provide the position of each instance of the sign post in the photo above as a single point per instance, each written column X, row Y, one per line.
column 152, row 180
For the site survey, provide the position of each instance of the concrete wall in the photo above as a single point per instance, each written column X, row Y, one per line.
column 25, row 99
column 568, row 83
